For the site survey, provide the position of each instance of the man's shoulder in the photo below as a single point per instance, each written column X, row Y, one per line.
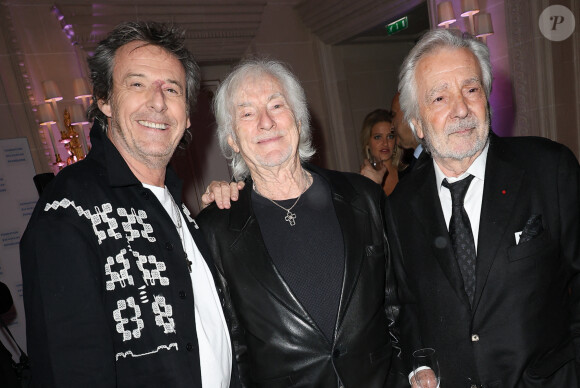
column 530, row 150
column 81, row 186
column 80, row 177
column 340, row 180
column 525, row 143
column 212, row 215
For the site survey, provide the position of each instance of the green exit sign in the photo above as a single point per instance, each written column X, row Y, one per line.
column 397, row 25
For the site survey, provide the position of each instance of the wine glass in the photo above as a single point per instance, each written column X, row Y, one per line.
column 426, row 368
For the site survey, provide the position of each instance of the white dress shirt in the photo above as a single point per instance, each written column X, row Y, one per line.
column 473, row 197
column 472, row 201
column 215, row 352
column 418, row 151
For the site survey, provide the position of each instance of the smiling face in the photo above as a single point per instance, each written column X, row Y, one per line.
column 266, row 131
column 452, row 104
column 382, row 141
column 147, row 109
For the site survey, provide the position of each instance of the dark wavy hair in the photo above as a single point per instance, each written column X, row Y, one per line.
column 101, row 63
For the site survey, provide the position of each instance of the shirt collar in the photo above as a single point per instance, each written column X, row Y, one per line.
column 118, row 172
column 418, row 151
column 477, row 169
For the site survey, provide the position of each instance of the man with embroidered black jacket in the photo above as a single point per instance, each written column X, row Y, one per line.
column 118, row 281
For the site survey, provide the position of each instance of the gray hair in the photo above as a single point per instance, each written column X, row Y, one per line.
column 224, row 108
column 430, row 42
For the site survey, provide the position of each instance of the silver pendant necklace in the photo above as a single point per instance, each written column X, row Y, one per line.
column 290, row 216
column 176, row 214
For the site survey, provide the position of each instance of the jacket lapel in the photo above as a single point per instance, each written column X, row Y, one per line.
column 244, row 225
column 501, row 187
column 344, row 200
column 427, row 207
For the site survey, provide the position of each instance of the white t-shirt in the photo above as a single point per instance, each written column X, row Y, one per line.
column 215, row 351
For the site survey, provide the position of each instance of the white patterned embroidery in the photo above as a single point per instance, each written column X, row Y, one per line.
column 135, row 317
column 127, row 316
column 188, row 216
column 151, row 269
column 111, row 221
column 130, row 353
column 163, row 313
column 143, row 295
column 135, row 219
column 100, row 216
column 122, row 274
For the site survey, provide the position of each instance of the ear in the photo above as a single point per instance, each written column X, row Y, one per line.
column 232, row 143
column 417, row 128
column 105, row 107
column 188, row 123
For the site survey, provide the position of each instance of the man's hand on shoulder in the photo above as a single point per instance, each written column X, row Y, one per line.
column 222, row 193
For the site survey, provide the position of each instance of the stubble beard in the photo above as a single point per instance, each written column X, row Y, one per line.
column 132, row 146
column 278, row 160
column 438, row 146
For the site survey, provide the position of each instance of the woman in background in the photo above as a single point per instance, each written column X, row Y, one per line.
column 382, row 162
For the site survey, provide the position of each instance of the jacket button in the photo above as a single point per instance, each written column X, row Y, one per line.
column 169, row 246
column 189, row 347
column 182, row 294
column 474, row 338
column 336, row 353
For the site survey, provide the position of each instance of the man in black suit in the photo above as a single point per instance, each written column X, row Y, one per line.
column 487, row 231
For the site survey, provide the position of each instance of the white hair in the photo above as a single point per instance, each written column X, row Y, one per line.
column 431, row 41
column 224, row 108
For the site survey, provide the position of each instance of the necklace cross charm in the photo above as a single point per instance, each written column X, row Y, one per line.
column 290, row 217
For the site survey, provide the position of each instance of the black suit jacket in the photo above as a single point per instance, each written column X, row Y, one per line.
column 277, row 342
column 523, row 328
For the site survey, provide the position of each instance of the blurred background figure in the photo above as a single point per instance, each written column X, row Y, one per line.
column 382, row 162
column 12, row 374
column 406, row 140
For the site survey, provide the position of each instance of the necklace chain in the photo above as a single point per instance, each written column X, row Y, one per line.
column 290, row 216
column 180, row 232
column 176, row 213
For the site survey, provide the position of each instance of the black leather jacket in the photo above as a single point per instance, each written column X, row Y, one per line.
column 277, row 343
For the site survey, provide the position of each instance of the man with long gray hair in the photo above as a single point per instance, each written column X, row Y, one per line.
column 118, row 281
column 487, row 250
column 302, row 255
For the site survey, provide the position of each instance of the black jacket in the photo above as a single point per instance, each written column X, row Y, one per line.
column 103, row 268
column 524, row 327
column 276, row 341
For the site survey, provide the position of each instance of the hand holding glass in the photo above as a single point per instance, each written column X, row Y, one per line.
column 426, row 368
